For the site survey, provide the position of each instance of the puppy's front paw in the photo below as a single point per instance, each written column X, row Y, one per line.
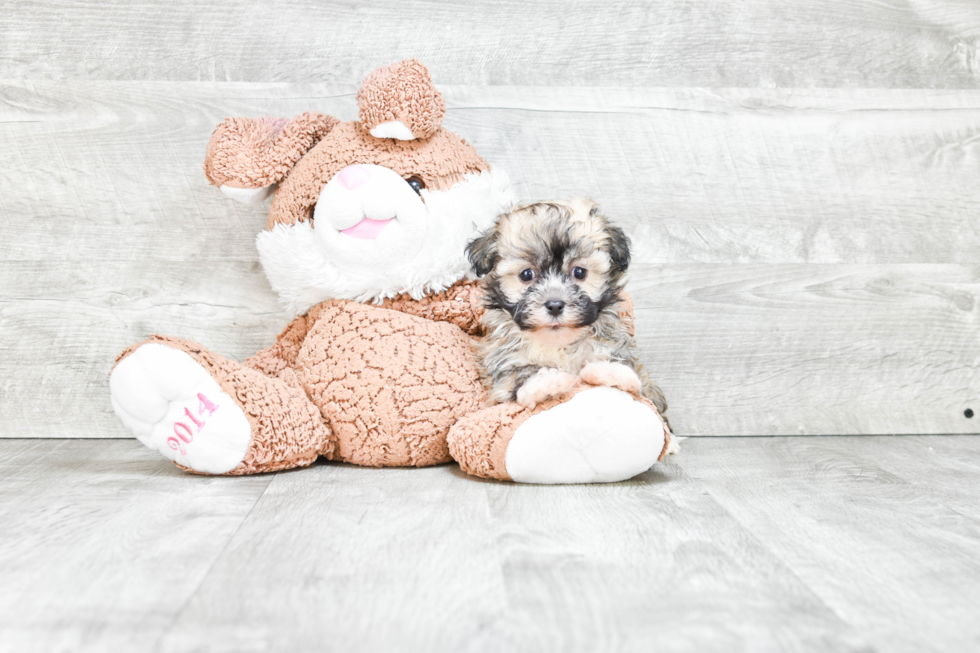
column 615, row 375
column 546, row 383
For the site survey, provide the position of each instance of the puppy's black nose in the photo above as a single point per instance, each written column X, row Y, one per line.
column 554, row 306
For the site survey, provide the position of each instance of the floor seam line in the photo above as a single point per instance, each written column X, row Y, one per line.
column 190, row 597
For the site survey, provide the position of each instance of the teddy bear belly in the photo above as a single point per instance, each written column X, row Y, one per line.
column 389, row 384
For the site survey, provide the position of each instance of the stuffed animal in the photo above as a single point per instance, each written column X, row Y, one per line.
column 365, row 246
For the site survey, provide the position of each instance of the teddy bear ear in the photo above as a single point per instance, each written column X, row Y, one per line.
column 247, row 157
column 400, row 101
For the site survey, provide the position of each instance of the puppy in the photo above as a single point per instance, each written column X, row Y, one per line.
column 553, row 275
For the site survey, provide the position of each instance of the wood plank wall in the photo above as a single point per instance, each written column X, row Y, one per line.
column 800, row 181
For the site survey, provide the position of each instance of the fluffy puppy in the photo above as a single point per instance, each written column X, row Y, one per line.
column 553, row 276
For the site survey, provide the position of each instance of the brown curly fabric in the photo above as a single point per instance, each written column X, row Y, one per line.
column 287, row 430
column 440, row 161
column 460, row 304
column 281, row 356
column 396, row 385
column 402, row 91
column 667, row 432
column 479, row 441
column 389, row 384
column 259, row 152
column 304, row 153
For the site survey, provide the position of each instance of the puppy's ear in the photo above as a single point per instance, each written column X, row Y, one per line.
column 619, row 248
column 482, row 252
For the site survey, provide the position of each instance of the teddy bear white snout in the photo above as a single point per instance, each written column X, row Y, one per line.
column 368, row 213
column 367, row 193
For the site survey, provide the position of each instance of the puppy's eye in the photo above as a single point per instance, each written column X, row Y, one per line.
column 416, row 183
column 527, row 275
column 580, row 273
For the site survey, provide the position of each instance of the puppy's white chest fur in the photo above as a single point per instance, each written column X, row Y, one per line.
column 564, row 349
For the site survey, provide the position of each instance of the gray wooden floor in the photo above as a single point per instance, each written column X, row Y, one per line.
column 737, row 544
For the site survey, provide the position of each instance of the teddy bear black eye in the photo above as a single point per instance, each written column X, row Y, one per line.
column 527, row 275
column 416, row 183
column 580, row 273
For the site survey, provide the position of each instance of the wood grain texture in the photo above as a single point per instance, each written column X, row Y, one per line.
column 366, row 560
column 651, row 563
column 812, row 349
column 762, row 544
column 872, row 544
column 805, row 260
column 945, row 468
column 744, row 176
column 732, row 176
column 431, row 560
column 749, row 43
column 102, row 545
column 59, row 342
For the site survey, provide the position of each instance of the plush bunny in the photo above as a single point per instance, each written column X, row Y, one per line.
column 365, row 245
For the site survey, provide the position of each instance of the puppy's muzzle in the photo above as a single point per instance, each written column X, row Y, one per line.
column 554, row 307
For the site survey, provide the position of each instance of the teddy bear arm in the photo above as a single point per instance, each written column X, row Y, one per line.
column 461, row 304
column 250, row 154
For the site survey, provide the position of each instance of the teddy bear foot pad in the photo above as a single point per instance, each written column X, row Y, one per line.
column 601, row 435
column 182, row 411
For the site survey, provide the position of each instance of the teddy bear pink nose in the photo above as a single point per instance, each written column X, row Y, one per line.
column 353, row 176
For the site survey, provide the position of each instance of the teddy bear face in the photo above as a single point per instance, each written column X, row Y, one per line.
column 366, row 209
column 379, row 213
column 440, row 162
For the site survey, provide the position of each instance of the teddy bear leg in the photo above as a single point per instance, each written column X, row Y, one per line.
column 598, row 435
column 212, row 415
